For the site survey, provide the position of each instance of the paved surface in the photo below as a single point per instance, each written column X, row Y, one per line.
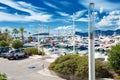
column 26, row 69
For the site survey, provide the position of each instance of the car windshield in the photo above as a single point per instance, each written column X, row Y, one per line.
column 11, row 51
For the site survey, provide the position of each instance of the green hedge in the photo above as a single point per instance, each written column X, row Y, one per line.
column 3, row 76
column 78, row 67
column 34, row 51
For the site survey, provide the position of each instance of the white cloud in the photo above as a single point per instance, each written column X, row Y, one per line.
column 111, row 20
column 78, row 30
column 29, row 6
column 82, row 19
column 22, row 6
column 10, row 17
column 15, row 5
column 95, row 13
column 79, row 13
column 77, row 16
column 16, row 17
column 62, row 13
column 26, row 5
column 68, row 27
column 65, row 3
column 39, row 17
column 117, row 12
column 2, row 7
column 64, row 27
column 101, row 9
column 66, row 30
column 51, row 5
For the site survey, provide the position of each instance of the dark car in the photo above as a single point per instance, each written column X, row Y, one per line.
column 16, row 54
column 4, row 54
column 4, row 50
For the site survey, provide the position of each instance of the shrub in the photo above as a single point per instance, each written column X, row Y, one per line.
column 114, row 58
column 118, row 77
column 3, row 76
column 31, row 51
column 3, row 43
column 34, row 51
column 41, row 52
column 78, row 67
column 102, row 70
column 17, row 44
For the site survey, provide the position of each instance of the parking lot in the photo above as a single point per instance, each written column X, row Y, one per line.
column 26, row 69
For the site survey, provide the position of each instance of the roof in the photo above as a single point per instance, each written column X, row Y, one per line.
column 41, row 34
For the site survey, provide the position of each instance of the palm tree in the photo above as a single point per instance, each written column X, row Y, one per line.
column 15, row 32
column 6, row 33
column 22, row 31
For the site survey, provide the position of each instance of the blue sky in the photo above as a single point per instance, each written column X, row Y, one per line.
column 57, row 14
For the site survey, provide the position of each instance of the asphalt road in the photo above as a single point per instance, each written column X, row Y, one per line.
column 25, row 69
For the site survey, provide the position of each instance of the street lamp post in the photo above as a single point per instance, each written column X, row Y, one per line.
column 91, row 42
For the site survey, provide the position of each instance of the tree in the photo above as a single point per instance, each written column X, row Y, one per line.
column 17, row 44
column 114, row 58
column 22, row 31
column 29, row 38
column 15, row 32
column 3, row 43
column 2, row 36
column 6, row 32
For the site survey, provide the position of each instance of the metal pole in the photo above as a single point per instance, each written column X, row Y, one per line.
column 73, row 33
column 49, row 30
column 58, row 32
column 43, row 28
column 91, row 42
column 38, row 38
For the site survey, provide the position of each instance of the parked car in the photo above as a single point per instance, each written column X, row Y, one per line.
column 16, row 54
column 4, row 54
column 54, row 51
column 4, row 50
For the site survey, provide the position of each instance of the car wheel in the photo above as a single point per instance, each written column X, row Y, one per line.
column 16, row 57
column 9, row 58
column 26, row 56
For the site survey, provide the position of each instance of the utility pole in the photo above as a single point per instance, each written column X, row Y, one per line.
column 91, row 42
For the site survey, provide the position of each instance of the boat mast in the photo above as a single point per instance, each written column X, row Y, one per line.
column 49, row 30
column 38, row 38
column 42, row 28
column 73, row 33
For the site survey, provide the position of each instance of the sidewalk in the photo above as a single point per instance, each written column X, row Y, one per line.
column 46, row 72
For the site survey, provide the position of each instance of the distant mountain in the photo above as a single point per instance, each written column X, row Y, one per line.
column 100, row 32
